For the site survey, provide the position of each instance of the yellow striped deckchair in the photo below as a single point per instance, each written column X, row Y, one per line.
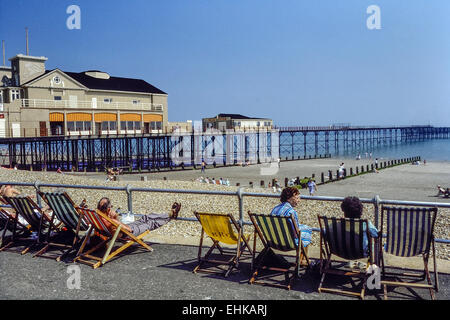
column 219, row 227
column 410, row 232
column 97, row 221
column 343, row 237
column 276, row 233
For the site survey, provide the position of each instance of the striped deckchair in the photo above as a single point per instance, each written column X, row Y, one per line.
column 279, row 233
column 97, row 220
column 344, row 238
column 32, row 213
column 409, row 233
column 221, row 229
column 8, row 222
column 63, row 208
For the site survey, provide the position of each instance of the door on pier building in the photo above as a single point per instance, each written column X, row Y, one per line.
column 43, row 128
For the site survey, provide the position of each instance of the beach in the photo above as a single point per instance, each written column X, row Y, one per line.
column 403, row 182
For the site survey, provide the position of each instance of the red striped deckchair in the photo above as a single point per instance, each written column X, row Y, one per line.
column 278, row 233
column 97, row 220
column 410, row 232
column 344, row 238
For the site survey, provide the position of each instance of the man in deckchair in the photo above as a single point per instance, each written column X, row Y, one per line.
column 146, row 222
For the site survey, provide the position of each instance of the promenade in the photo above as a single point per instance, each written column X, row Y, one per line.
column 164, row 274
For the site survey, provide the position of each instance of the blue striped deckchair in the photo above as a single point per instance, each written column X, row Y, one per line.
column 63, row 208
column 276, row 233
column 343, row 237
column 409, row 233
column 32, row 213
column 221, row 228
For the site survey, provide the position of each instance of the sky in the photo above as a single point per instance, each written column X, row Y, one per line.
column 300, row 63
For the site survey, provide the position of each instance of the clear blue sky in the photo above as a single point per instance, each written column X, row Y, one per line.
column 297, row 62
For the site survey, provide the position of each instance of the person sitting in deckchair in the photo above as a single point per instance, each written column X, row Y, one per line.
column 353, row 208
column 146, row 222
column 289, row 198
column 7, row 190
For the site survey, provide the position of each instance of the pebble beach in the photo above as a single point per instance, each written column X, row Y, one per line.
column 405, row 182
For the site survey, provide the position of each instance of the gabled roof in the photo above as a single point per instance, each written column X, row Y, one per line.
column 114, row 83
column 111, row 84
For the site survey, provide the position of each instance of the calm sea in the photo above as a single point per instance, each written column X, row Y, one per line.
column 434, row 150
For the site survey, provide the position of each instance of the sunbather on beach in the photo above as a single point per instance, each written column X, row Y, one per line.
column 440, row 191
column 146, row 222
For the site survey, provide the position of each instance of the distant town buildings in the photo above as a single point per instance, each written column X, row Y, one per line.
column 236, row 121
column 39, row 102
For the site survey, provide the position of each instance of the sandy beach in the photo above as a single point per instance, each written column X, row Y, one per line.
column 404, row 182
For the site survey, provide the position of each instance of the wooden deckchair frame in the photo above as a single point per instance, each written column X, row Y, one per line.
column 81, row 225
column 36, row 225
column 326, row 255
column 290, row 270
column 87, row 257
column 12, row 224
column 389, row 277
column 234, row 256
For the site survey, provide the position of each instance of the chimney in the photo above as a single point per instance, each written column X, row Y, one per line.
column 26, row 31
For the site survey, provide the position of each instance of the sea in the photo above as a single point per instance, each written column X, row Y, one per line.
column 429, row 150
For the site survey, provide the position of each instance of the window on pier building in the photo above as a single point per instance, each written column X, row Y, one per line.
column 15, row 94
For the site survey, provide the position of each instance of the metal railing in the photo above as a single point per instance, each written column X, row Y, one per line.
column 376, row 201
column 43, row 103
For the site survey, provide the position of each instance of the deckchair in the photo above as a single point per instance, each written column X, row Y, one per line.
column 32, row 213
column 409, row 234
column 63, row 208
column 97, row 219
column 8, row 222
column 278, row 233
column 221, row 228
column 344, row 238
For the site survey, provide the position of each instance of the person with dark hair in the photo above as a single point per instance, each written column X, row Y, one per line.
column 289, row 198
column 146, row 222
column 353, row 208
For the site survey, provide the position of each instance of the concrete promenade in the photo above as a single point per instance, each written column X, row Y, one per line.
column 164, row 274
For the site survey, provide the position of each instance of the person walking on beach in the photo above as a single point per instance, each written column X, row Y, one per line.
column 203, row 166
column 341, row 171
column 279, row 162
column 312, row 187
column 146, row 222
column 290, row 198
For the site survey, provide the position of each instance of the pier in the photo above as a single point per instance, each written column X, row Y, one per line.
column 155, row 152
